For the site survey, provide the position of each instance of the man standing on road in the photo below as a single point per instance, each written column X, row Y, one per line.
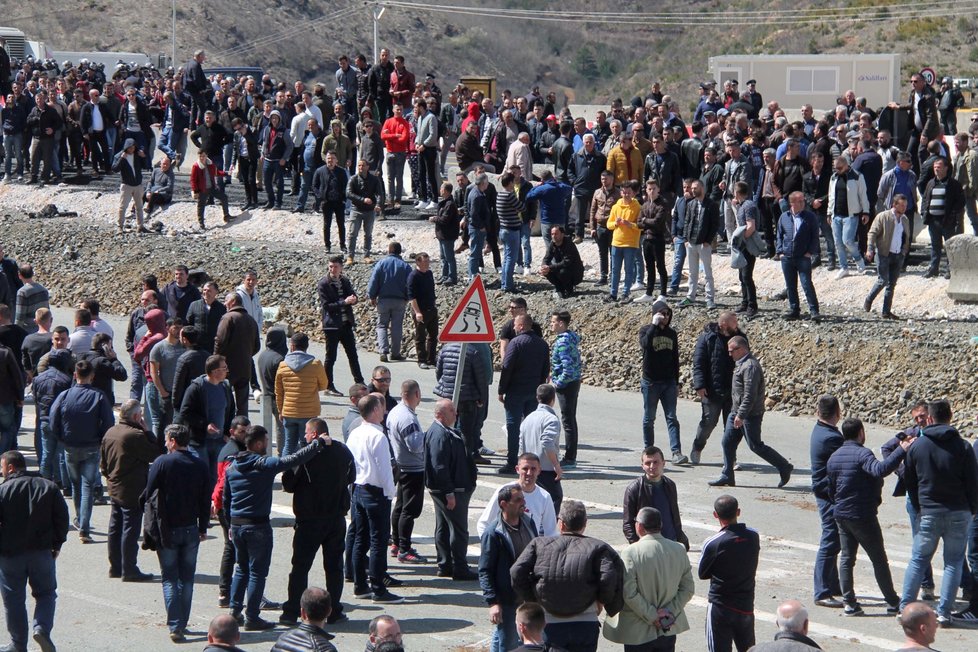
column 660, row 377
column 502, row 543
column 540, row 435
column 571, row 593
column 163, row 359
column 525, row 366
column 653, row 489
column 941, row 474
column 388, row 292
column 128, row 449
column 207, row 411
column 336, row 300
column 11, row 398
column 33, row 527
column 177, row 509
column 712, row 376
column 565, row 373
column 421, row 294
column 659, row 581
column 825, row 440
column 746, row 416
column 320, row 501
column 299, row 380
column 537, row 502
column 450, row 476
column 855, row 480
column 79, row 419
column 179, row 293
column 729, row 561
column 237, row 340
column 407, row 439
column 793, row 630
column 373, row 489
column 206, row 313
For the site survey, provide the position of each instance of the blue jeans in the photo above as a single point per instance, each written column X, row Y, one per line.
column 395, row 175
column 952, row 528
column 295, row 429
column 273, row 176
column 525, row 258
column 253, row 554
column 510, row 240
column 52, row 456
column 516, row 406
column 668, row 394
column 793, row 270
column 9, row 424
column 449, row 269
column 137, row 382
column 573, row 637
column 16, row 571
column 928, row 578
column 168, row 143
column 827, row 557
column 372, row 530
column 844, row 231
column 110, row 135
column 477, row 240
column 307, row 173
column 677, row 264
column 14, row 148
column 620, row 256
column 178, row 564
column 208, row 452
column 160, row 410
column 751, row 430
column 83, row 472
column 504, row 636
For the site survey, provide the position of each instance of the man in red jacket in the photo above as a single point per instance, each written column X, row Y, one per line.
column 205, row 188
column 396, row 134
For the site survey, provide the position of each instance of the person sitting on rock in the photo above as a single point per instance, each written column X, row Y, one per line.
column 159, row 190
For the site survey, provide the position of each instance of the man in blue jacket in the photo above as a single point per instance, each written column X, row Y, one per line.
column 825, row 440
column 388, row 292
column 855, row 484
column 554, row 198
column 797, row 242
column 941, row 474
column 79, row 418
column 248, row 499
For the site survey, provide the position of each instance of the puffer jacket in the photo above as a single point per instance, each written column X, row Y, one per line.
column 498, row 555
column 712, row 365
column 747, row 388
column 856, row 479
column 304, row 638
column 249, row 479
column 474, row 387
column 567, row 573
column 298, row 382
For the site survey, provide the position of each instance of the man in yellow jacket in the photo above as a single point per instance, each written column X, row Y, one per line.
column 298, row 382
column 658, row 585
column 625, row 234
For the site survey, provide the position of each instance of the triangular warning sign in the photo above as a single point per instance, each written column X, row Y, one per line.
column 470, row 320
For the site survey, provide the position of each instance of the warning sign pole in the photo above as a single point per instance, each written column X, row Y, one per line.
column 458, row 376
column 470, row 321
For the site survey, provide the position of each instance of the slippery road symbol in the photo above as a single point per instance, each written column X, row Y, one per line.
column 470, row 318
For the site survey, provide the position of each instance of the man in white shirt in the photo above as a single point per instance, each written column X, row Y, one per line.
column 540, row 434
column 373, row 491
column 539, row 505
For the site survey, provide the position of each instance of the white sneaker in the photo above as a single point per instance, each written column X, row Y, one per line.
column 528, row 272
column 662, row 297
column 432, row 206
column 842, row 273
column 518, row 269
column 256, row 394
column 637, row 286
column 645, row 298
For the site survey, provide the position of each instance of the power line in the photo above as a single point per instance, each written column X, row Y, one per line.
column 263, row 41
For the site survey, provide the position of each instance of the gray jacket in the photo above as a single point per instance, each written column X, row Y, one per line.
column 747, row 390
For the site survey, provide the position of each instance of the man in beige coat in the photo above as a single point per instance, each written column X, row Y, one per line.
column 658, row 585
column 889, row 240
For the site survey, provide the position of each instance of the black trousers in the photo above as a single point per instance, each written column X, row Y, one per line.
column 429, row 174
column 75, row 148
column 748, row 290
column 470, row 423
column 216, row 192
column 247, row 169
column 242, row 392
column 866, row 533
column 548, row 480
column 345, row 336
column 769, row 214
column 562, row 280
column 567, row 399
column 125, row 524
column 227, row 558
column 326, row 534
column 154, row 200
column 726, row 628
column 408, row 501
column 583, row 214
column 654, row 253
column 426, row 336
column 452, row 531
column 603, row 238
column 331, row 209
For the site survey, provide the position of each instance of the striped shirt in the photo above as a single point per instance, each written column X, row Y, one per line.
column 508, row 207
column 30, row 297
column 936, row 206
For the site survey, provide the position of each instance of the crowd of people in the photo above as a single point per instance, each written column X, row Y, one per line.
column 180, row 451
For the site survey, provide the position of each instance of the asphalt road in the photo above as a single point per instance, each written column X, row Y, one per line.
column 97, row 613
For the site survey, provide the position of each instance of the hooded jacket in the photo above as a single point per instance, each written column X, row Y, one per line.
column 299, row 380
column 565, row 359
column 270, row 358
column 941, row 472
column 155, row 321
column 712, row 364
column 660, row 352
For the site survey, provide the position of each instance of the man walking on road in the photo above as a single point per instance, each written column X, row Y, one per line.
column 660, row 377
column 748, row 413
column 388, row 292
column 540, row 435
column 407, row 439
column 826, row 439
column 525, row 366
column 653, row 489
column 33, row 527
column 729, row 561
column 712, row 376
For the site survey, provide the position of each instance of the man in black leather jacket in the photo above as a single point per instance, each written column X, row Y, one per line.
column 309, row 636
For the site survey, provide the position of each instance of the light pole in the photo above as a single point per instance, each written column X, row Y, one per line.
column 173, row 35
column 377, row 12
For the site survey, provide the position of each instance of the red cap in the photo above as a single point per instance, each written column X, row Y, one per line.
column 551, row 118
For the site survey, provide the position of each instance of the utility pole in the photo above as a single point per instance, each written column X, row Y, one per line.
column 173, row 35
column 377, row 12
